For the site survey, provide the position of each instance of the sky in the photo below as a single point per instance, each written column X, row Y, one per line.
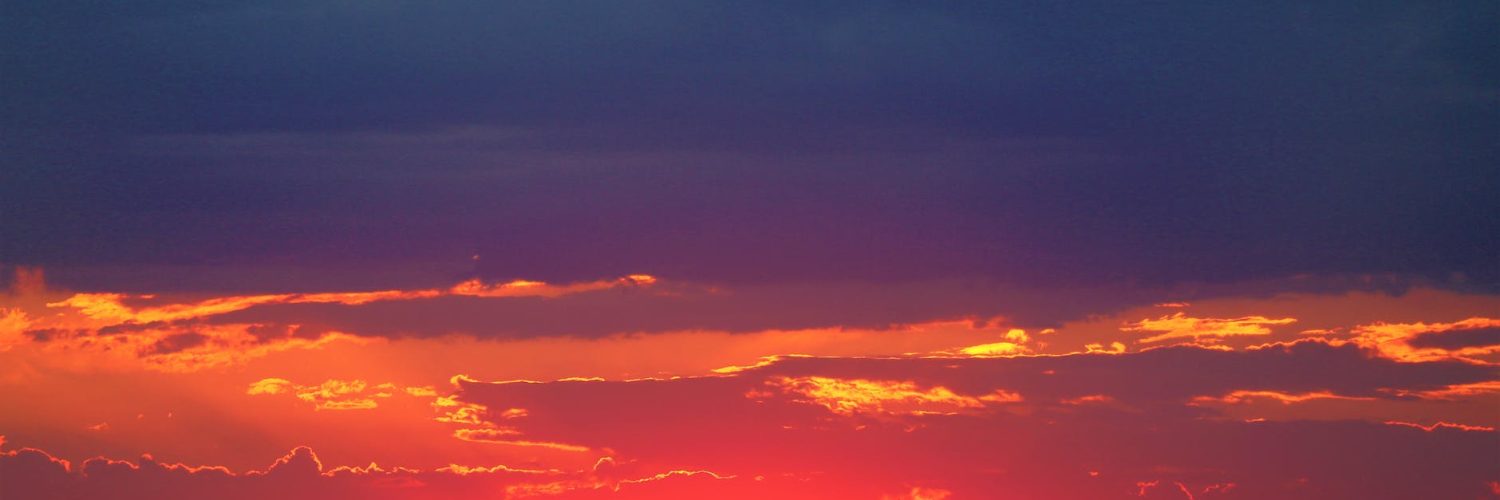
column 701, row 249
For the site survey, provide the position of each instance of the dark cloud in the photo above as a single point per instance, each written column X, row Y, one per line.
column 1457, row 339
column 750, row 435
column 672, row 306
column 176, row 343
column 34, row 474
column 1037, row 447
column 1036, row 143
column 1154, row 380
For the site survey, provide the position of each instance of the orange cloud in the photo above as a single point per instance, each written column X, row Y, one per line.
column 332, row 394
column 1452, row 392
column 1182, row 326
column 778, row 415
column 173, row 335
column 13, row 326
column 671, row 473
column 422, row 391
column 1442, row 425
column 171, row 348
column 457, row 412
column 994, row 349
column 212, row 346
column 1114, row 348
column 1400, row 341
column 524, row 288
column 111, row 308
column 1014, row 344
column 480, row 423
column 464, row 470
column 506, row 437
column 1239, row 397
column 851, row 397
column 1088, row 399
column 765, row 416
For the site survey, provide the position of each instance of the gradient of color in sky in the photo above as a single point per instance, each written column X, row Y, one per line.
column 701, row 249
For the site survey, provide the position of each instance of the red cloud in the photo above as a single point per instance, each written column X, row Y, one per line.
column 872, row 427
column 34, row 474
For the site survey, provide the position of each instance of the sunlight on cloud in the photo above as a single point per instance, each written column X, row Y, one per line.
column 1181, row 326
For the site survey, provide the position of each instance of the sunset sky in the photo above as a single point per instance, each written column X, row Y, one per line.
column 783, row 249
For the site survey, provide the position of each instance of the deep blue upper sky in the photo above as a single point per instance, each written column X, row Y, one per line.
column 1031, row 142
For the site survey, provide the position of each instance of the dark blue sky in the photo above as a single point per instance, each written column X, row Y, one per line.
column 375, row 143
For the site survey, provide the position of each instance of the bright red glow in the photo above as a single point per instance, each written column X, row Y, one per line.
column 208, row 392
